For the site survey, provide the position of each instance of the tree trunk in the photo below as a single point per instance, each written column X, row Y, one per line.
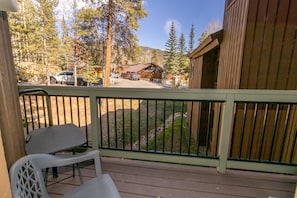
column 108, row 44
column 10, row 113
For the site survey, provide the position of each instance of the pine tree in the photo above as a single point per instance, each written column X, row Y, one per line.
column 203, row 37
column 192, row 39
column 121, row 17
column 34, row 38
column 183, row 60
column 22, row 27
column 155, row 57
column 47, row 34
column 118, row 26
column 171, row 52
column 66, row 47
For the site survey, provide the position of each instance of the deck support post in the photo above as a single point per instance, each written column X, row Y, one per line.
column 10, row 113
column 94, row 122
column 225, row 135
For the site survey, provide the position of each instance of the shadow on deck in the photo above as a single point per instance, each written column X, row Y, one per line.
column 138, row 179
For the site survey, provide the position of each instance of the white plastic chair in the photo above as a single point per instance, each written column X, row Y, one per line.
column 26, row 178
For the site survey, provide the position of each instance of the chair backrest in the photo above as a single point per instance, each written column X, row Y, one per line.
column 39, row 91
column 26, row 179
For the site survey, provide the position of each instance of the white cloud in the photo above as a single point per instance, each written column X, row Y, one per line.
column 177, row 25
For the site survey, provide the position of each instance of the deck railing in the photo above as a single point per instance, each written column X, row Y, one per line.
column 241, row 129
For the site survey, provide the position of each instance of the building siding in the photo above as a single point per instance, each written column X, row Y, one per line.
column 234, row 28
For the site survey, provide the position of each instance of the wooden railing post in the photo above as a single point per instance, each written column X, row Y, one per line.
column 94, row 121
column 225, row 134
column 10, row 113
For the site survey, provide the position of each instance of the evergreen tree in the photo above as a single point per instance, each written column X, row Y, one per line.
column 66, row 47
column 192, row 39
column 22, row 27
column 203, row 37
column 183, row 60
column 121, row 17
column 155, row 57
column 88, row 28
column 114, row 34
column 171, row 52
column 47, row 34
column 34, row 38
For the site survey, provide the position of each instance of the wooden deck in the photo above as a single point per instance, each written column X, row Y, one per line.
column 138, row 179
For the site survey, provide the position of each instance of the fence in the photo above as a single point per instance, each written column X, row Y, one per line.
column 245, row 129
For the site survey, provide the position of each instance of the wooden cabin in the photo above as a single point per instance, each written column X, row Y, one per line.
column 149, row 71
column 258, row 50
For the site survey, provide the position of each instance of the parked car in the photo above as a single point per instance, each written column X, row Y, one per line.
column 66, row 77
column 131, row 75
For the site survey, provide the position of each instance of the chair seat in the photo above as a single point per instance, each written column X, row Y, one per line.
column 99, row 187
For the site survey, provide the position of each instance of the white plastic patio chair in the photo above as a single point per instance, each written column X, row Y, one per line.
column 26, row 178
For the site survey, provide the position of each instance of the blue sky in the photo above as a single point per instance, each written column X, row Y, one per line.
column 153, row 30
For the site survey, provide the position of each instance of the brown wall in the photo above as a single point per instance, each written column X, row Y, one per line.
column 196, row 72
column 270, row 50
column 234, row 28
column 266, row 60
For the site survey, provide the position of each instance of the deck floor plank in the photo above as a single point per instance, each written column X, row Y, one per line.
column 139, row 179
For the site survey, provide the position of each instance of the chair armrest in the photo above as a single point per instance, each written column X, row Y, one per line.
column 49, row 160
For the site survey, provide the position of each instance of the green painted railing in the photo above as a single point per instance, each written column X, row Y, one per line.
column 256, row 129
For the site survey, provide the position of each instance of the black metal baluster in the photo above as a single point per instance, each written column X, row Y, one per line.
column 131, row 123
column 123, row 114
column 100, row 121
column 285, row 132
column 147, row 123
column 209, row 125
column 107, row 122
column 44, row 111
column 276, row 118
column 263, row 131
column 164, row 125
column 86, row 120
column 78, row 111
column 190, row 133
column 37, row 108
column 139, row 134
column 57, row 109
column 64, row 109
column 156, row 109
column 25, row 113
column 71, row 112
column 181, row 128
column 172, row 125
column 253, row 131
column 242, row 130
column 31, row 112
column 115, row 122
column 199, row 127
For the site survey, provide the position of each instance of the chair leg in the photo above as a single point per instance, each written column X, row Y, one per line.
column 55, row 172
column 79, row 174
column 78, row 169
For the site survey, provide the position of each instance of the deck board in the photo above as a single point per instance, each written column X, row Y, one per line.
column 138, row 179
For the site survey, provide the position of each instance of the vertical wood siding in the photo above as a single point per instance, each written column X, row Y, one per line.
column 231, row 48
column 269, row 56
column 269, row 62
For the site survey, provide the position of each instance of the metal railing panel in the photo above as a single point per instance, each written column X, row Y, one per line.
column 226, row 111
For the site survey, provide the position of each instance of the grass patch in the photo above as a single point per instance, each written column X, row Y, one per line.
column 175, row 139
column 127, row 121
